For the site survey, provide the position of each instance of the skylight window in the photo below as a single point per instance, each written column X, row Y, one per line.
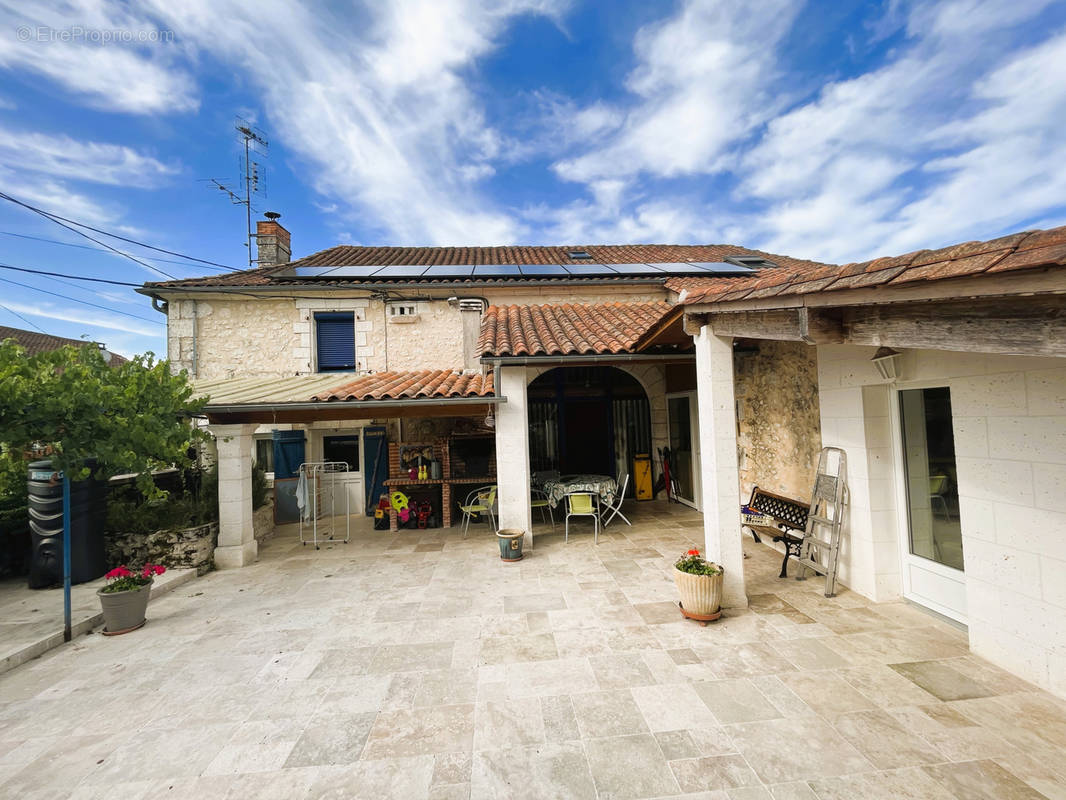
column 579, row 255
column 751, row 262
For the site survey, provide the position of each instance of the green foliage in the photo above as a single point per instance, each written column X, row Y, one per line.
column 695, row 564
column 132, row 418
column 260, row 488
column 129, row 511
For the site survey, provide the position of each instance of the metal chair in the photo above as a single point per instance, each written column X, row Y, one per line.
column 539, row 499
column 938, row 485
column 479, row 501
column 615, row 510
column 582, row 504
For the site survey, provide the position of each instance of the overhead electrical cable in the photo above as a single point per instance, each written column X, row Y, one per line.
column 83, row 302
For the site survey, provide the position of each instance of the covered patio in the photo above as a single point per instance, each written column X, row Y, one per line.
column 418, row 665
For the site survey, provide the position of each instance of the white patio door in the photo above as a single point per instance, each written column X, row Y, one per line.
column 931, row 530
column 683, row 423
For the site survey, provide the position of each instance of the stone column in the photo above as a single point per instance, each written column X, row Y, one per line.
column 512, row 453
column 718, row 462
column 236, row 538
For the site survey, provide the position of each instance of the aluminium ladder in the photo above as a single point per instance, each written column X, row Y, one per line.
column 829, row 501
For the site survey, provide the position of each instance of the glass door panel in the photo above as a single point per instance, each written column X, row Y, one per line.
column 681, row 461
column 930, row 476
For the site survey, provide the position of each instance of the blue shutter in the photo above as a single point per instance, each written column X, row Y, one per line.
column 335, row 333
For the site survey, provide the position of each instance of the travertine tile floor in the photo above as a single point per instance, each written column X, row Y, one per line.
column 417, row 665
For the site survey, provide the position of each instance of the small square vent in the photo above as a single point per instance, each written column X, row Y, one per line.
column 579, row 255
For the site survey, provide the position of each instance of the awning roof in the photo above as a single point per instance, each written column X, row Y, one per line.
column 306, row 397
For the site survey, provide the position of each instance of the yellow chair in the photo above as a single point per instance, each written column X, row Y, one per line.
column 479, row 501
column 582, row 504
column 539, row 499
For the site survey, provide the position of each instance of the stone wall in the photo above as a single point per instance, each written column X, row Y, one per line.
column 221, row 336
column 188, row 547
column 263, row 520
column 779, row 431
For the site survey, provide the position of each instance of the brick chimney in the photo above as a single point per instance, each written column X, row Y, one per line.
column 273, row 241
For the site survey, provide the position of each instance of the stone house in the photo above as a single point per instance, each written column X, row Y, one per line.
column 940, row 373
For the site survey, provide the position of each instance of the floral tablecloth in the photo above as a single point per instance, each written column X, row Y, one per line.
column 602, row 485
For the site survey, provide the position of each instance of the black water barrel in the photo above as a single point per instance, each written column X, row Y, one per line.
column 88, row 508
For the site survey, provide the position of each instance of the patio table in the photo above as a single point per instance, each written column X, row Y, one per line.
column 602, row 485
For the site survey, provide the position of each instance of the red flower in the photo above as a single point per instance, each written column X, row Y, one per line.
column 118, row 572
column 693, row 553
column 153, row 569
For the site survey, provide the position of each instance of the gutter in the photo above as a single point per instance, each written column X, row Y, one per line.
column 327, row 404
column 508, row 361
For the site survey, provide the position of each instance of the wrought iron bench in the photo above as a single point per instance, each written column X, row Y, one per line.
column 780, row 518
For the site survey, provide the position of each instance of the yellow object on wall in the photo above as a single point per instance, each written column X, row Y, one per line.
column 642, row 481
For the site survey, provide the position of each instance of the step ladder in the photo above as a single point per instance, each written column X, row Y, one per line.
column 820, row 549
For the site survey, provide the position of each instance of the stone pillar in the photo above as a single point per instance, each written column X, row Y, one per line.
column 718, row 462
column 236, row 536
column 512, row 453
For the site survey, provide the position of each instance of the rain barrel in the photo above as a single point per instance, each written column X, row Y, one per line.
column 88, row 509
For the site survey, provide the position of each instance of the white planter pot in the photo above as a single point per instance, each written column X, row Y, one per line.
column 700, row 594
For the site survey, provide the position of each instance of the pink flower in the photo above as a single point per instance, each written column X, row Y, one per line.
column 153, row 569
column 118, row 572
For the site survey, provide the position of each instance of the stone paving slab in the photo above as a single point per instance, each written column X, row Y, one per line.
column 386, row 668
column 33, row 618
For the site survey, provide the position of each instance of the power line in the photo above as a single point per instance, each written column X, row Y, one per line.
column 73, row 277
column 56, row 220
column 83, row 302
column 31, row 324
column 56, row 217
column 99, row 250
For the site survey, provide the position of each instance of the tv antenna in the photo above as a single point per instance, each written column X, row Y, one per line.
column 251, row 184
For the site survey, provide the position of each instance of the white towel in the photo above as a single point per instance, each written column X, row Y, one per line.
column 301, row 496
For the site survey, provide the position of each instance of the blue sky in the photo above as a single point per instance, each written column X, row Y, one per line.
column 836, row 131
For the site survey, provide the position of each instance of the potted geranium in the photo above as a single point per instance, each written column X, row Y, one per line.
column 699, row 582
column 124, row 598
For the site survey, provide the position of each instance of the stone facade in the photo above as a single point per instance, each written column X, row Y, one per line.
column 188, row 547
column 778, row 427
column 263, row 520
column 221, row 336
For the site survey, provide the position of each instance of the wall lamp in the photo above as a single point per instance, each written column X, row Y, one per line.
column 887, row 362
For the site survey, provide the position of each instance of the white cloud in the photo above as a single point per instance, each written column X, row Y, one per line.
column 112, row 75
column 96, row 162
column 704, row 82
column 91, row 318
column 955, row 137
column 375, row 103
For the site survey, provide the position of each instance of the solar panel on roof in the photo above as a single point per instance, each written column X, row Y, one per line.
column 353, row 272
column 401, row 271
column 449, row 271
column 585, row 270
column 682, row 268
column 304, row 272
column 723, row 268
column 636, row 269
column 496, row 270
column 543, row 269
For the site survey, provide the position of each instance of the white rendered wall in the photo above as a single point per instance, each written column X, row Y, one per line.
column 1009, row 425
column 512, row 453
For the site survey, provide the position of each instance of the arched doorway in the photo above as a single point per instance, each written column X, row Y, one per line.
column 587, row 420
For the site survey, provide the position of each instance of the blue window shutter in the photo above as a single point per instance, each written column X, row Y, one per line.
column 335, row 335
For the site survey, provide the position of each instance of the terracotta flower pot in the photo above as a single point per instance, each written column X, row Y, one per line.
column 700, row 594
column 124, row 611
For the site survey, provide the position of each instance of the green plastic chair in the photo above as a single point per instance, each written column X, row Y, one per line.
column 479, row 501
column 539, row 499
column 582, row 504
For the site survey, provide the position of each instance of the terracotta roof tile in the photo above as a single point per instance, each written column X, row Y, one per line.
column 34, row 342
column 566, row 329
column 411, row 385
column 1027, row 250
